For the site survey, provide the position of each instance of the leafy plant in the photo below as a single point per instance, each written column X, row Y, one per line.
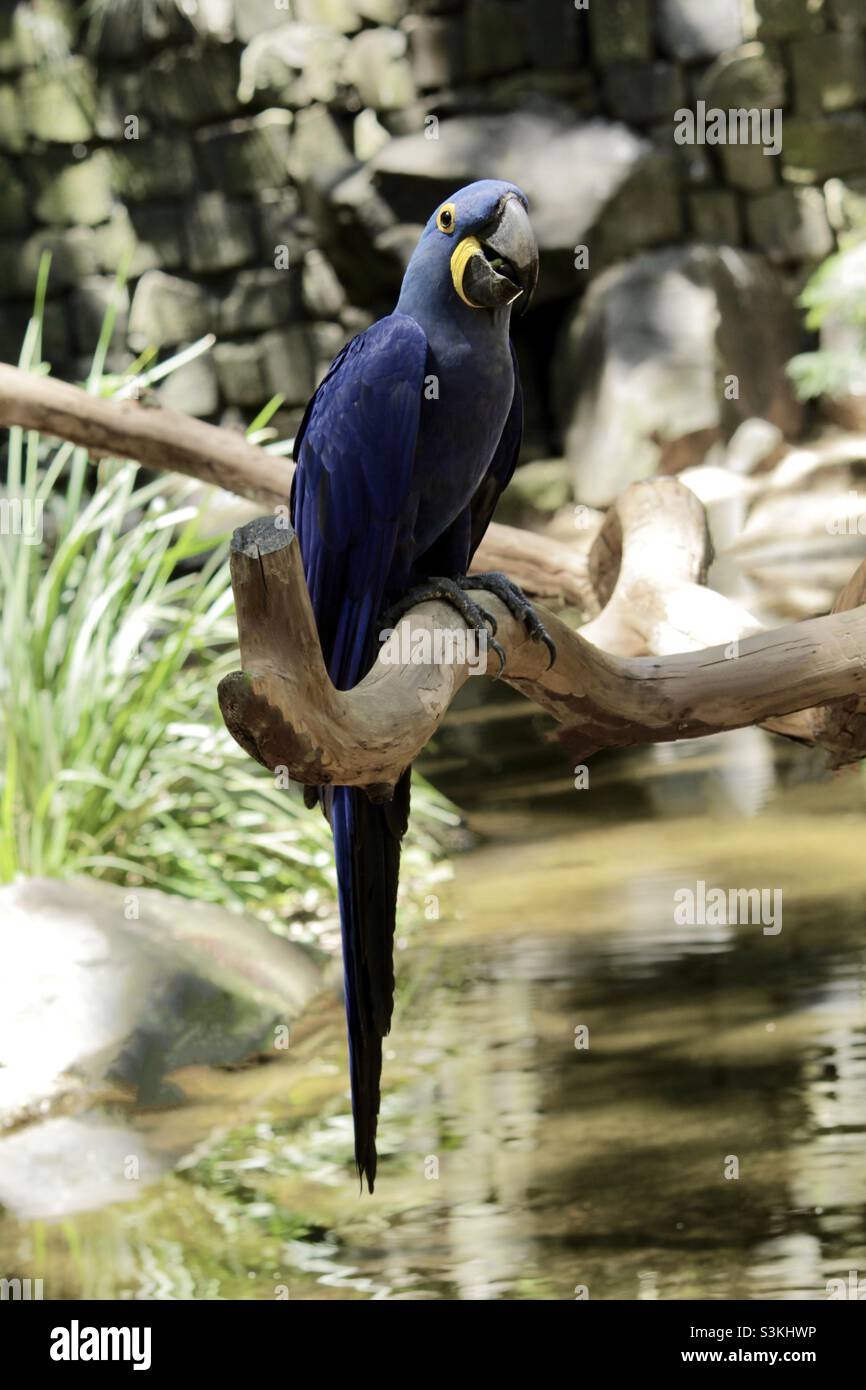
column 116, row 628
column 835, row 301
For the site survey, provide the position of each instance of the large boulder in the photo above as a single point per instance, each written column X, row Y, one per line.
column 593, row 184
column 104, row 987
column 665, row 356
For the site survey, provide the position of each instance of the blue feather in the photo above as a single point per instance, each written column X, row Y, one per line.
column 395, row 483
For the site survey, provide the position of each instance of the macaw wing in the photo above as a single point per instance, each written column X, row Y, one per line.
column 502, row 466
column 355, row 452
column 351, row 502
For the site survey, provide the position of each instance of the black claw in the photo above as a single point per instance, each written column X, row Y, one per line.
column 517, row 604
column 453, row 592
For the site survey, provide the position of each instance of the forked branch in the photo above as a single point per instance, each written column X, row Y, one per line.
column 284, row 711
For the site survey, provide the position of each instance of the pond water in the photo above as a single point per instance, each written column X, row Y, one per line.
column 583, row 1095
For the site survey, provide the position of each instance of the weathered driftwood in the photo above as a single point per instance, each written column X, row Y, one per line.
column 643, row 581
column 168, row 440
column 283, row 709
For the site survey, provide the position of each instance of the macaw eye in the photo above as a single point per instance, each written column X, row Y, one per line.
column 445, row 218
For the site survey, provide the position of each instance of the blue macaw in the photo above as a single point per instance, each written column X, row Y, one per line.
column 401, row 456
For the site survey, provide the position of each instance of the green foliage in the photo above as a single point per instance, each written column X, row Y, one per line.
column 835, row 297
column 116, row 628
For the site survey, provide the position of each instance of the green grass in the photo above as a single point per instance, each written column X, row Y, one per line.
column 115, row 631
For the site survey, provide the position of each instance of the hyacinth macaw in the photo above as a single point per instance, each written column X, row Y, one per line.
column 401, row 456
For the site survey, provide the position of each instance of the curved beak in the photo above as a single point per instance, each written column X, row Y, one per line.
column 499, row 266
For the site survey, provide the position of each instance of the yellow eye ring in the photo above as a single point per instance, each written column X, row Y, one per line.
column 445, row 218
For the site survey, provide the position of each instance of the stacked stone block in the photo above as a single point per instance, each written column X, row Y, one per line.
column 214, row 154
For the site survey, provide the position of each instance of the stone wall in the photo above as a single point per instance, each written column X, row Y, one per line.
column 260, row 167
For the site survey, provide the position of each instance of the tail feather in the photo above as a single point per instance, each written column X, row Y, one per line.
column 367, row 841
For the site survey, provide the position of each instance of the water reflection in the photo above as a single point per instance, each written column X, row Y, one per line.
column 708, row 1142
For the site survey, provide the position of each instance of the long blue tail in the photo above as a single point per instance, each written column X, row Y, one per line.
column 367, row 850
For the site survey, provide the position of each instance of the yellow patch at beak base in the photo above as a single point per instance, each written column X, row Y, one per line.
column 460, row 257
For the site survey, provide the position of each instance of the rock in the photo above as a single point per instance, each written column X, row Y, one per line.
column 293, row 65
column 104, row 986
column 353, row 224
column 280, row 228
column 551, row 35
column 529, row 88
column 693, row 165
column 790, row 224
column 383, row 11
column 290, row 356
column 493, row 34
column 377, row 66
column 125, row 30
column 13, row 136
column 184, row 86
column 218, row 234
column 750, row 76
column 646, row 211
column 26, row 40
column 167, row 310
column 847, row 14
column 160, row 167
column 74, row 194
column 120, row 112
column 252, row 17
column 715, row 217
column 817, row 148
column 328, row 339
column 146, row 236
column 282, row 362
column 846, row 205
column 192, row 388
column 342, row 15
column 75, row 1163
column 752, row 444
column 59, row 102
column 88, row 306
column 323, row 295
column 646, row 364
column 593, row 183
column 368, row 136
column 55, row 331
column 214, row 18
column 14, row 211
column 621, row 32
column 256, row 300
column 829, row 72
column 436, row 53
column 786, row 19
column 319, row 150
column 73, row 255
column 247, row 154
column 747, row 168
column 693, row 29
column 242, row 373
column 642, row 93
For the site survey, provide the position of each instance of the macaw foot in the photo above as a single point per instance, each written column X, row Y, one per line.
column 449, row 591
column 517, row 604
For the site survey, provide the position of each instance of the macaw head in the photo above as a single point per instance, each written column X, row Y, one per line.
column 478, row 245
